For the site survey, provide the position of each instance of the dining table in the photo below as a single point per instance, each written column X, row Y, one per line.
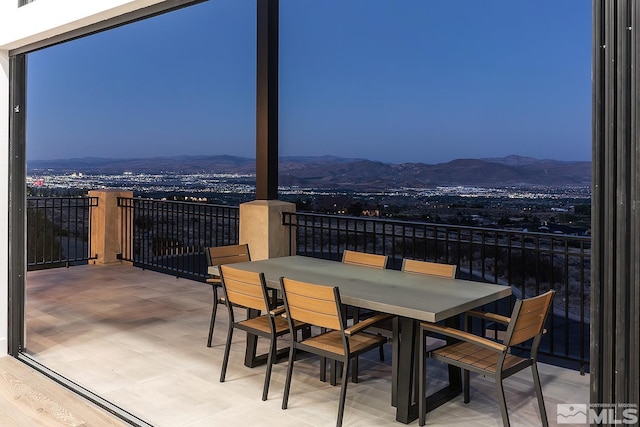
column 412, row 297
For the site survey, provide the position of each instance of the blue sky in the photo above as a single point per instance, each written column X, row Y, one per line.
column 391, row 80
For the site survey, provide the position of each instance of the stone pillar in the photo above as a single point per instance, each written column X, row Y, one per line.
column 261, row 227
column 106, row 226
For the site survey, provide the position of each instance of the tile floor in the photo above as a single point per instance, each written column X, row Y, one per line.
column 138, row 339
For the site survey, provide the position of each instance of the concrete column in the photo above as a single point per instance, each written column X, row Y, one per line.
column 106, row 226
column 261, row 227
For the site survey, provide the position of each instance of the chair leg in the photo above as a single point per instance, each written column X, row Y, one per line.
column 536, row 382
column 287, row 383
column 465, row 386
column 323, row 364
column 333, row 380
column 343, row 393
column 213, row 315
column 381, row 352
column 323, row 369
column 502, row 401
column 270, row 359
column 354, row 370
column 227, row 349
column 422, row 393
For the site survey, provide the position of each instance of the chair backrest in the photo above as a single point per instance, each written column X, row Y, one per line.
column 218, row 255
column 429, row 268
column 365, row 259
column 316, row 305
column 528, row 318
column 244, row 288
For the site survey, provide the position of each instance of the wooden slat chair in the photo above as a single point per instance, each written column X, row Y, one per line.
column 365, row 260
column 248, row 290
column 429, row 268
column 491, row 358
column 219, row 255
column 320, row 306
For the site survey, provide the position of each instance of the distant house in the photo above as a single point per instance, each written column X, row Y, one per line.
column 564, row 229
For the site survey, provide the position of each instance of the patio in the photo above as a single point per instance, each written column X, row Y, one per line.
column 137, row 338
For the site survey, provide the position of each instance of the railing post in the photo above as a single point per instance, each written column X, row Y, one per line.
column 261, row 227
column 106, row 226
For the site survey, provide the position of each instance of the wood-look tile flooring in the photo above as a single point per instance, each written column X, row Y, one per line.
column 138, row 339
column 28, row 398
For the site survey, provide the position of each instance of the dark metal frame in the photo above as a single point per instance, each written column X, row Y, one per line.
column 17, row 201
column 17, row 155
column 267, row 100
column 615, row 306
column 17, row 191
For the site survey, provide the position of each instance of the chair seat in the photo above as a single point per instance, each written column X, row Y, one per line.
column 332, row 342
column 472, row 355
column 261, row 323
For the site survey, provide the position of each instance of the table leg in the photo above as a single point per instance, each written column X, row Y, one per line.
column 250, row 359
column 405, row 381
column 406, row 409
column 454, row 387
column 395, row 354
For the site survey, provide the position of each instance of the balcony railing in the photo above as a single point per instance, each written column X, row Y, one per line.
column 171, row 237
column 530, row 263
column 58, row 230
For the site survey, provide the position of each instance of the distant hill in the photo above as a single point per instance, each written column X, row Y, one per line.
column 337, row 172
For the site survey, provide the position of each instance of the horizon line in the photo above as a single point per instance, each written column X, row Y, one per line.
column 320, row 156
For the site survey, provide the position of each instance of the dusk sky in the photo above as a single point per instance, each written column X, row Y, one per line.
column 391, row 80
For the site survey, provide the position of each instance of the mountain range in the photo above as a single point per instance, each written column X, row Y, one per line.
column 348, row 173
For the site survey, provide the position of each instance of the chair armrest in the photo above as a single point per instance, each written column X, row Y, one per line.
column 464, row 336
column 489, row 316
column 214, row 280
column 277, row 311
column 358, row 327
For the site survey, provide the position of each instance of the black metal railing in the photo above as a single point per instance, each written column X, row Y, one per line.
column 58, row 231
column 171, row 236
column 530, row 263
